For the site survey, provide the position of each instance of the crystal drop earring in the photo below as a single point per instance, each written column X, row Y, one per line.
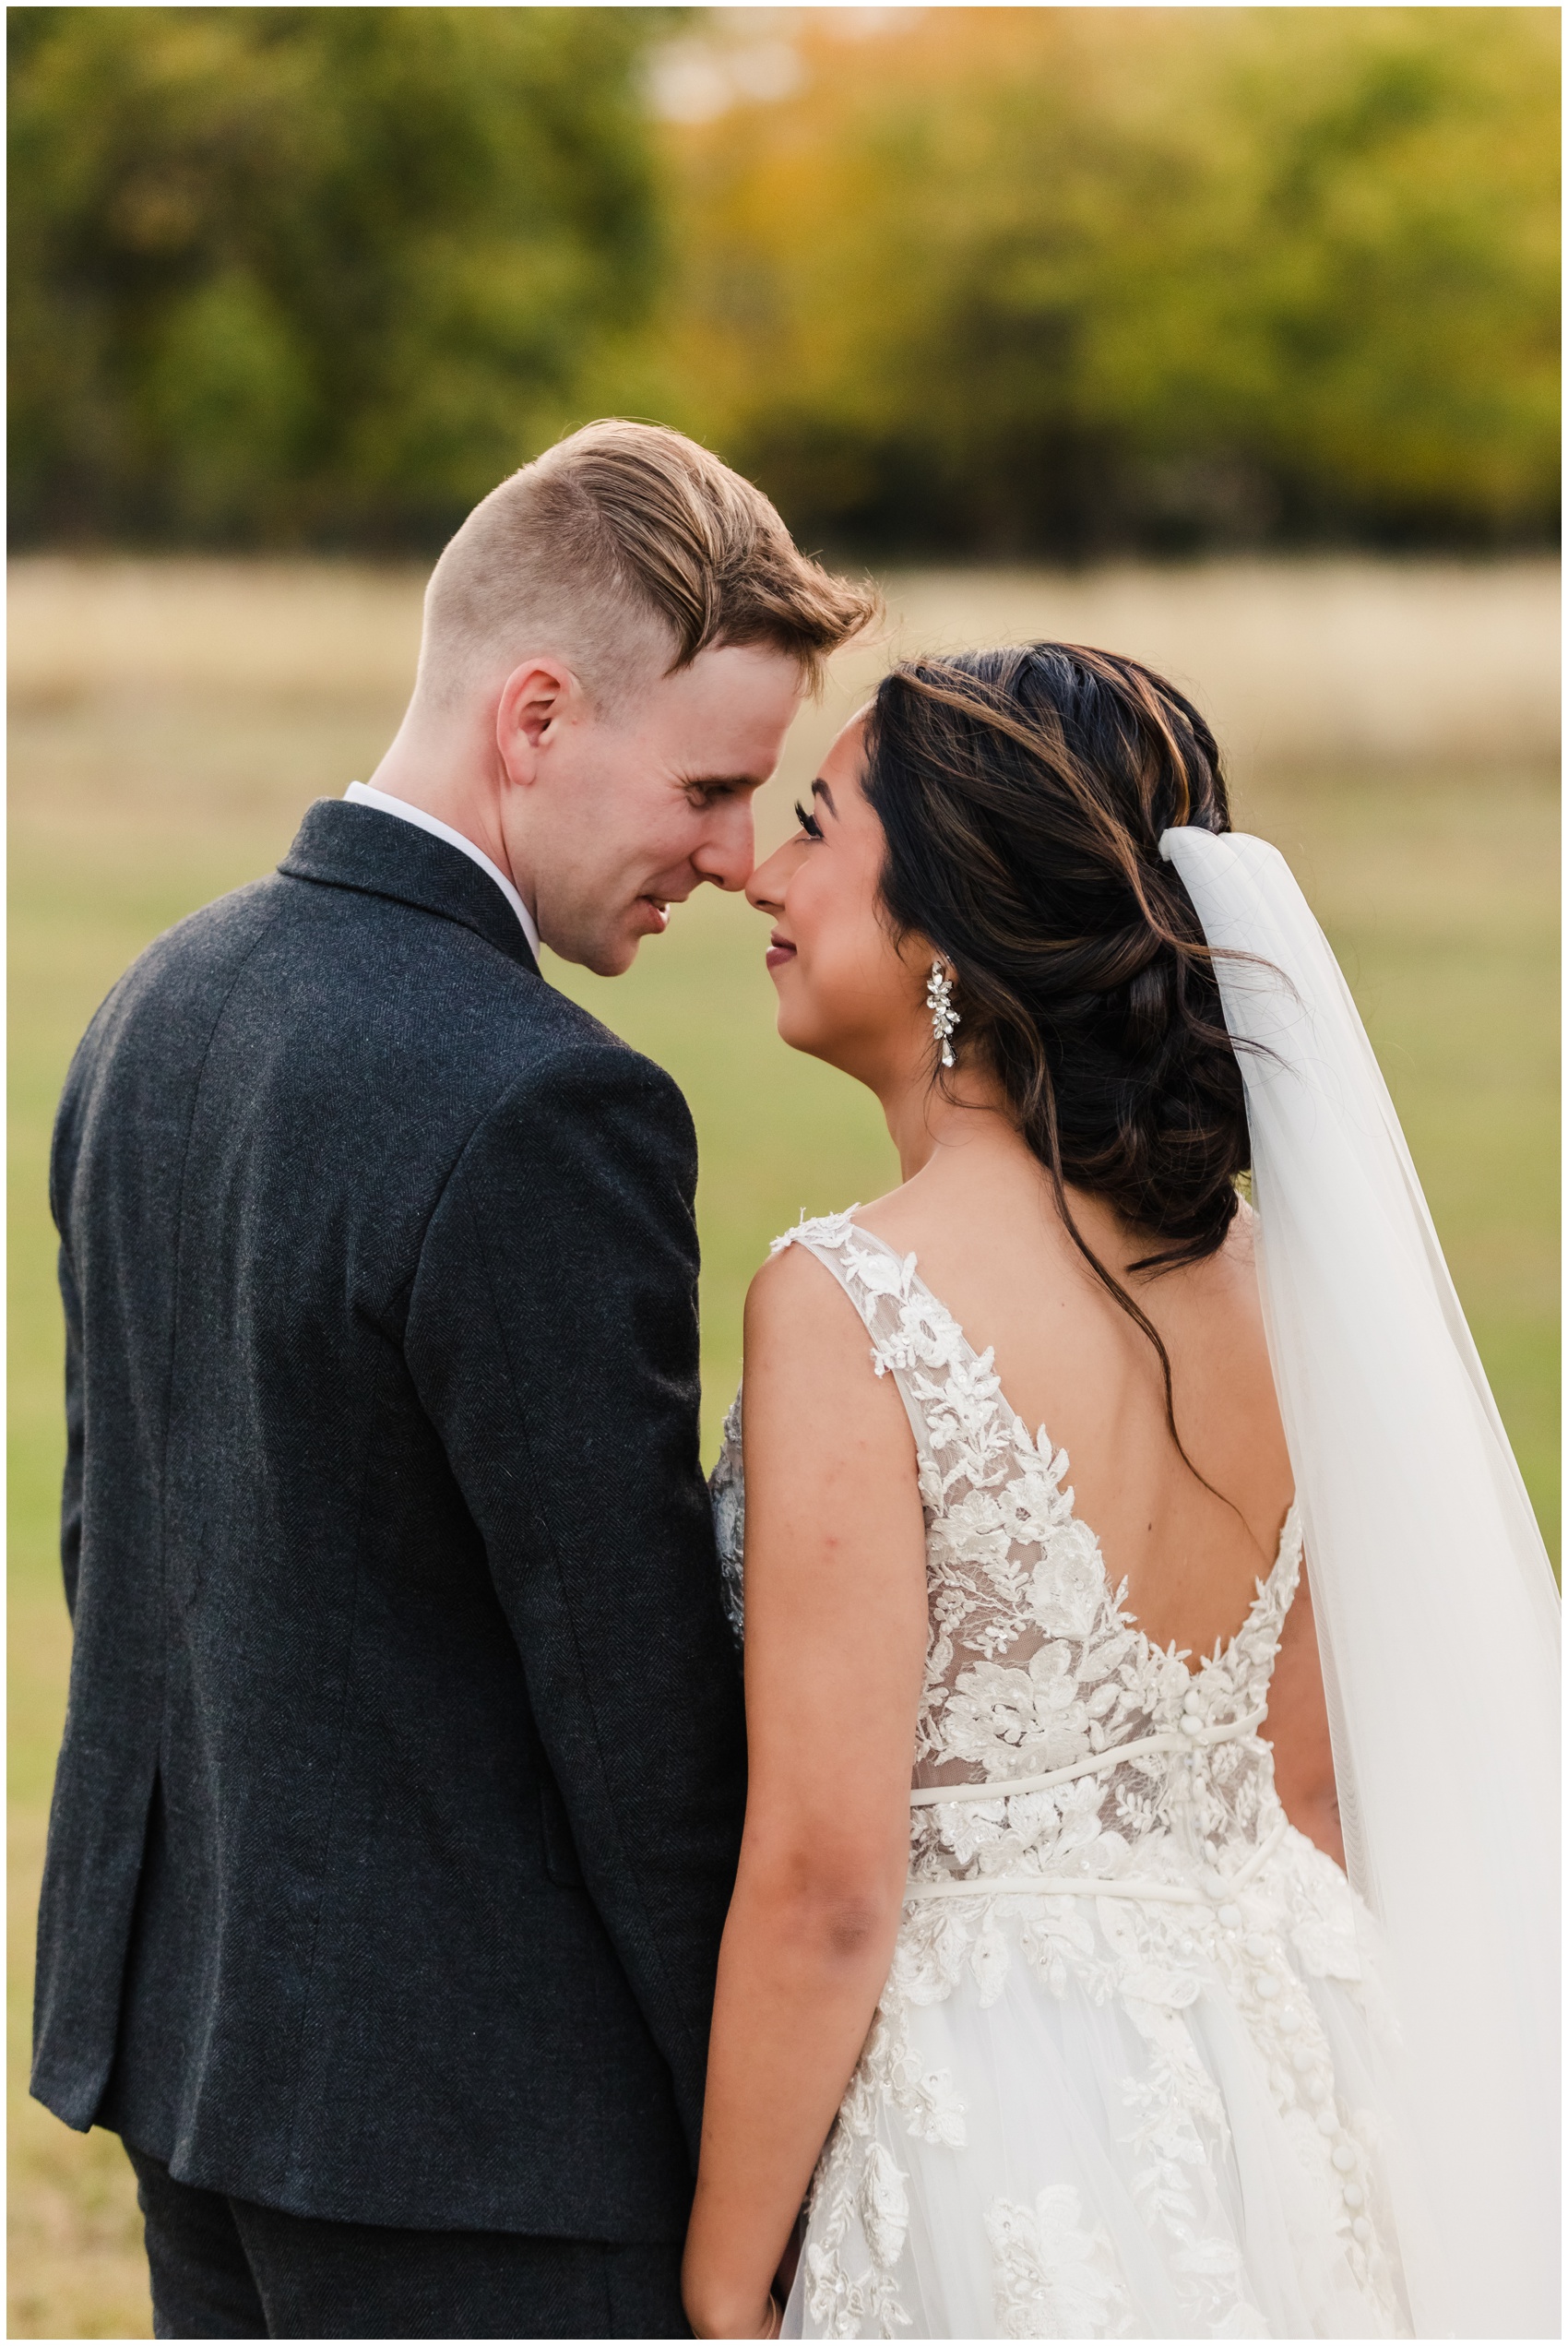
column 939, row 1002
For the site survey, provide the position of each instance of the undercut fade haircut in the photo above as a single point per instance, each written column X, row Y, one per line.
column 626, row 550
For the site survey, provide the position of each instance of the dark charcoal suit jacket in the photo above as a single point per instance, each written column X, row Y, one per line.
column 403, row 1772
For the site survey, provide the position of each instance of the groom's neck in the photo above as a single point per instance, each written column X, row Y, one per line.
column 449, row 768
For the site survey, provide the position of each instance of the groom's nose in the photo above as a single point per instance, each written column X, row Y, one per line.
column 727, row 850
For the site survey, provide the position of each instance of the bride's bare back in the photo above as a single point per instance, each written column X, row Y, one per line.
column 984, row 1227
column 980, row 1220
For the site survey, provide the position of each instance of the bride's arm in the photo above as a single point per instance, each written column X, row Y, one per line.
column 836, row 1634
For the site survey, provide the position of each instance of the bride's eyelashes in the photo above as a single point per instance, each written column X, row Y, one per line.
column 807, row 821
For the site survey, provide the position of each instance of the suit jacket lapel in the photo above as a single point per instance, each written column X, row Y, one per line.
column 340, row 844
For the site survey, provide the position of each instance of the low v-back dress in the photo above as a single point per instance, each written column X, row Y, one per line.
column 1117, row 2085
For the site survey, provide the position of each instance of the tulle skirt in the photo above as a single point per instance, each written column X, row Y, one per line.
column 1098, row 2117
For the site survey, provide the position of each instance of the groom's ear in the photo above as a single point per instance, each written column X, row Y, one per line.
column 539, row 697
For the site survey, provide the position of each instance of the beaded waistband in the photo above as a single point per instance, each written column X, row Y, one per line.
column 1216, row 1890
column 1192, row 1737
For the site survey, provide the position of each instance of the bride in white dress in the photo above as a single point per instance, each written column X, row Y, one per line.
column 1043, row 1977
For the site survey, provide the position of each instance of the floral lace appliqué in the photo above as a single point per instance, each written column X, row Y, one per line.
column 1055, row 2276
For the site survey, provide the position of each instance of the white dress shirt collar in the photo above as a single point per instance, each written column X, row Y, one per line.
column 363, row 795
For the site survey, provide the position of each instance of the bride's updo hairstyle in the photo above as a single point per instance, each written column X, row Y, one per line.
column 1023, row 793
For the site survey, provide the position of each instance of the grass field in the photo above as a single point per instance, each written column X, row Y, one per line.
column 170, row 726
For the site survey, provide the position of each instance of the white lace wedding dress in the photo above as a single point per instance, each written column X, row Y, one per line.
column 1118, row 2083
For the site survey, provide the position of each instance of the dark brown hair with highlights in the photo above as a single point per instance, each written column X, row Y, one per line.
column 1023, row 794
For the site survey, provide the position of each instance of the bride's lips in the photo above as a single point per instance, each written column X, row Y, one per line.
column 779, row 951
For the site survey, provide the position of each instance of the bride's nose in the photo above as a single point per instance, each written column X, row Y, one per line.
column 764, row 889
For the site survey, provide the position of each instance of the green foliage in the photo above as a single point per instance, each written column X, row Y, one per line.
column 311, row 273
column 1004, row 280
column 1063, row 279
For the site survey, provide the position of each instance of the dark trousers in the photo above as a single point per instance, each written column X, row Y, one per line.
column 225, row 2268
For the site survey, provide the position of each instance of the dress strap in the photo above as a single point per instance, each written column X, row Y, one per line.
column 881, row 1284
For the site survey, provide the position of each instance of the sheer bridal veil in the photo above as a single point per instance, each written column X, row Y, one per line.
column 1437, row 1615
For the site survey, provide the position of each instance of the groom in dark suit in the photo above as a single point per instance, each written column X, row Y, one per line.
column 403, row 1772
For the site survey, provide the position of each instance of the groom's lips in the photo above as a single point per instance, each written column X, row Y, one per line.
column 660, row 912
column 779, row 950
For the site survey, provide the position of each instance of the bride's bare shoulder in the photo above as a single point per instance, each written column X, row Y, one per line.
column 991, row 1218
column 900, row 1218
column 794, row 1282
column 809, row 1377
column 794, row 1300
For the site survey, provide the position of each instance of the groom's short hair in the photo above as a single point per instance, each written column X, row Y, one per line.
column 625, row 548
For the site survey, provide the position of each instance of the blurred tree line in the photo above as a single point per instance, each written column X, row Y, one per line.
column 1084, row 276
column 312, row 275
column 1023, row 280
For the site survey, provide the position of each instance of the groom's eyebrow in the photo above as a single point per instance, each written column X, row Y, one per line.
column 820, row 789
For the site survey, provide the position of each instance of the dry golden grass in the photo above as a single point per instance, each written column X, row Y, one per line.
column 1391, row 728
column 1301, row 665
